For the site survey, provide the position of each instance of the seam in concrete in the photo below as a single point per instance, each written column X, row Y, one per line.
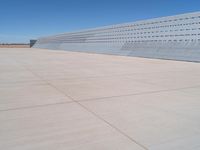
column 114, row 127
column 111, row 75
column 93, row 99
column 141, row 93
column 36, row 106
column 79, row 102
column 91, row 112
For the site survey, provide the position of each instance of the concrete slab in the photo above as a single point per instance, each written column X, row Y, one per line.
column 17, row 96
column 66, row 126
column 152, row 119
column 17, row 77
column 102, row 87
column 68, row 100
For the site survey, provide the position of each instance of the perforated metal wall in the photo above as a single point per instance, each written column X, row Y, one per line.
column 174, row 37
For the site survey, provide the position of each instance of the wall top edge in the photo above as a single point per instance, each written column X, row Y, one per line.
column 127, row 23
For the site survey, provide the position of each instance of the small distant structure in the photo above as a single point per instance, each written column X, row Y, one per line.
column 32, row 42
column 14, row 45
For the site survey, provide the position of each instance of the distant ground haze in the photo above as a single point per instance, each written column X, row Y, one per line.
column 15, row 46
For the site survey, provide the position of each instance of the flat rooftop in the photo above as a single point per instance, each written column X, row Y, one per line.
column 79, row 101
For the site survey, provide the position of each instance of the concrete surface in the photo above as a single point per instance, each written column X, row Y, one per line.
column 70, row 101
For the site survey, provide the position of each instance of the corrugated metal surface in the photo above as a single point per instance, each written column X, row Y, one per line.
column 174, row 37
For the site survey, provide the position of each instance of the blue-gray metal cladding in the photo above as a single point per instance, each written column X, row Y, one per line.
column 175, row 37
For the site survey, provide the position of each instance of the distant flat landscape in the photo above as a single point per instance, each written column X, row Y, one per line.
column 14, row 45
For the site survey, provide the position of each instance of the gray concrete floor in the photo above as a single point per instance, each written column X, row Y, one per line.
column 58, row 100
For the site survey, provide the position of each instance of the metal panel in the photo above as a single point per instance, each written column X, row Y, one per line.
column 174, row 37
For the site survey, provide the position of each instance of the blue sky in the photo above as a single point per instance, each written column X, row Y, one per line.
column 21, row 20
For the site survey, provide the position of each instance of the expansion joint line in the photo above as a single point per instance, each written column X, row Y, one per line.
column 88, row 110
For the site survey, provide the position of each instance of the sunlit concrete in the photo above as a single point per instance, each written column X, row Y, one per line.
column 69, row 100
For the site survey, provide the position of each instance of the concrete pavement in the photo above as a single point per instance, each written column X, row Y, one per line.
column 68, row 100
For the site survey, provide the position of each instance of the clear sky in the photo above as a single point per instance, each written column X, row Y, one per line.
column 21, row 20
